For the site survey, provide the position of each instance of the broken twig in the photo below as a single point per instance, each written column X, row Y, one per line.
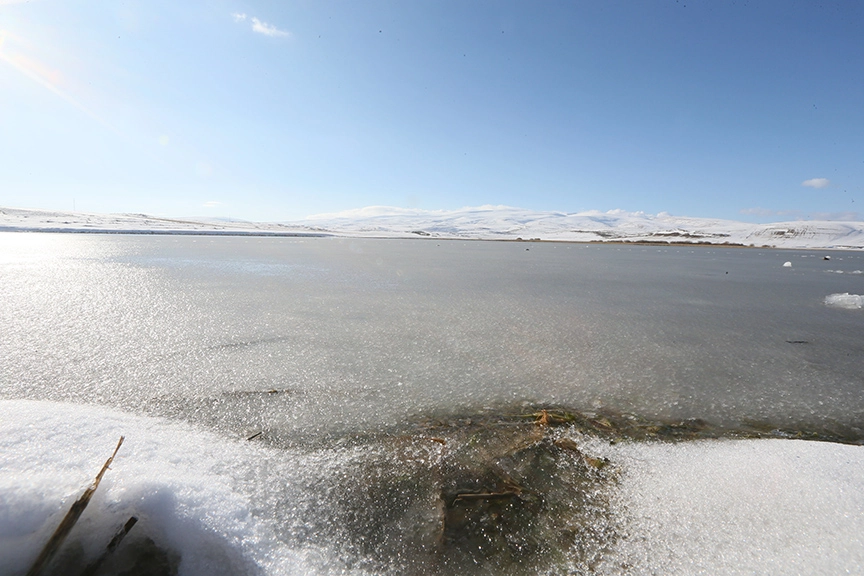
column 112, row 546
column 485, row 495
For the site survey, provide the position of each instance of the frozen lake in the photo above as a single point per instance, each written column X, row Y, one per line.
column 312, row 341
column 368, row 331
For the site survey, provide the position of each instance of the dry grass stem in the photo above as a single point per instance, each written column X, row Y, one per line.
column 62, row 531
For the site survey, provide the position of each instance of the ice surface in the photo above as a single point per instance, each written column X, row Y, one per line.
column 844, row 300
column 200, row 328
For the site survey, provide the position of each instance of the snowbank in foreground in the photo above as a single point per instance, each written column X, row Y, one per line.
column 742, row 507
column 712, row 507
column 484, row 222
column 181, row 483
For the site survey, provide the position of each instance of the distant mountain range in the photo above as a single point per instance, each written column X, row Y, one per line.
column 484, row 222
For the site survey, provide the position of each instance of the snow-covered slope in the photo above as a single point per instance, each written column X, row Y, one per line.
column 15, row 219
column 507, row 223
column 484, row 222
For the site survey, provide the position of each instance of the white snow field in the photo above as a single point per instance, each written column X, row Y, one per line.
column 484, row 222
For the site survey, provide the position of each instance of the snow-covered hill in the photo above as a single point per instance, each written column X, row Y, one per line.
column 21, row 220
column 484, row 222
column 507, row 223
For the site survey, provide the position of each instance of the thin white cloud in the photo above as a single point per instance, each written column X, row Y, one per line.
column 259, row 26
column 212, row 204
column 267, row 29
column 816, row 183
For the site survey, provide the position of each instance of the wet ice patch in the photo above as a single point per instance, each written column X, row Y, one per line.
column 844, row 300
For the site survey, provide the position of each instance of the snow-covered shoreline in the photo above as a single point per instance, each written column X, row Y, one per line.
column 478, row 223
column 711, row 506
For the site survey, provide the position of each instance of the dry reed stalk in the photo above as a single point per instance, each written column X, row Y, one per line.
column 62, row 531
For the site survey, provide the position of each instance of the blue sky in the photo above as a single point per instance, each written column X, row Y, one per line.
column 277, row 110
